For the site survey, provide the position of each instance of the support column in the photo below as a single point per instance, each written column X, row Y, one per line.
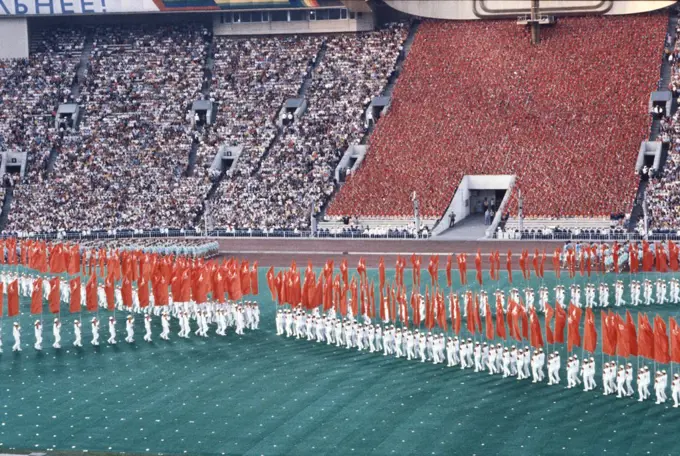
column 535, row 25
column 13, row 38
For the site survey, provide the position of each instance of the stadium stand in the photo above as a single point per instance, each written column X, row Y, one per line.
column 663, row 191
column 124, row 168
column 31, row 89
column 252, row 77
column 295, row 177
column 566, row 117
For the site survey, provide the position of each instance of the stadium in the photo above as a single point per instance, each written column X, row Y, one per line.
column 371, row 227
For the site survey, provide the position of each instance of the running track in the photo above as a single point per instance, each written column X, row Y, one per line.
column 280, row 252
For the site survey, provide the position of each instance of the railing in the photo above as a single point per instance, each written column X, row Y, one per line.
column 191, row 233
column 623, row 236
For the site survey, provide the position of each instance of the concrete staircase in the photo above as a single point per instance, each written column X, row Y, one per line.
column 392, row 80
column 193, row 153
column 52, row 160
column 6, row 207
column 302, row 92
column 205, row 91
column 83, row 66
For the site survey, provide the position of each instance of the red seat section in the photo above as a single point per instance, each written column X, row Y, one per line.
column 566, row 116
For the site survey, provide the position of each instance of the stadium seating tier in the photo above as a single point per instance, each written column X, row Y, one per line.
column 566, row 116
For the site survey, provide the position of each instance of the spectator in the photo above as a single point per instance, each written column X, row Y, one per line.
column 477, row 98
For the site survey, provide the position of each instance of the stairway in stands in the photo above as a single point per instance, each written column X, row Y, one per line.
column 664, row 79
column 81, row 76
column 302, row 91
column 205, row 91
column 398, row 67
column 83, row 66
column 6, row 206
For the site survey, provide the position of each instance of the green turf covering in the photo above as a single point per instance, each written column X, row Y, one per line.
column 263, row 394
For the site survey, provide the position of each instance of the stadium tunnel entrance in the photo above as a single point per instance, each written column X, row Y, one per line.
column 476, row 207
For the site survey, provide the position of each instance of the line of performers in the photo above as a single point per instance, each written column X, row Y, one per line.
column 646, row 292
column 513, row 361
column 238, row 315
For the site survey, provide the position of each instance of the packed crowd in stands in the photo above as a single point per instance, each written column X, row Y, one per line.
column 452, row 114
column 126, row 167
column 566, row 116
column 663, row 191
column 252, row 77
column 30, row 92
column 296, row 177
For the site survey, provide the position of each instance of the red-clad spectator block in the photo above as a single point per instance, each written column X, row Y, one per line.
column 566, row 116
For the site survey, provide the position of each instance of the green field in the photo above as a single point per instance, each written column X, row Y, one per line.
column 264, row 395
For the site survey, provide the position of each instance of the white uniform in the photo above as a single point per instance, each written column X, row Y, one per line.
column 629, row 380
column 559, row 295
column 604, row 295
column 449, row 352
column 659, row 388
column 661, row 297
column 112, row 331
column 147, row 328
column 519, row 365
column 130, row 330
column 478, row 358
column 554, row 369
column 621, row 382
column 675, row 291
column 542, row 298
column 95, row 332
column 648, row 288
column 279, row 322
column 165, row 323
column 675, row 390
column 256, row 316
column 506, row 363
column 38, row 336
column 491, row 362
column 56, row 332
column 618, row 294
column 78, row 335
column 16, row 332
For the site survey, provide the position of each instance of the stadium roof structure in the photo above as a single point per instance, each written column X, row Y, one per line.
column 494, row 9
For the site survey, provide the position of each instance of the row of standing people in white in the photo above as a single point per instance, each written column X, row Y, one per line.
column 511, row 362
column 640, row 293
column 185, row 328
column 224, row 315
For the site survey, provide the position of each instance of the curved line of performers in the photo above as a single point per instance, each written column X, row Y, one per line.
column 505, row 359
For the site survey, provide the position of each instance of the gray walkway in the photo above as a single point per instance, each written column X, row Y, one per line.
column 470, row 228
